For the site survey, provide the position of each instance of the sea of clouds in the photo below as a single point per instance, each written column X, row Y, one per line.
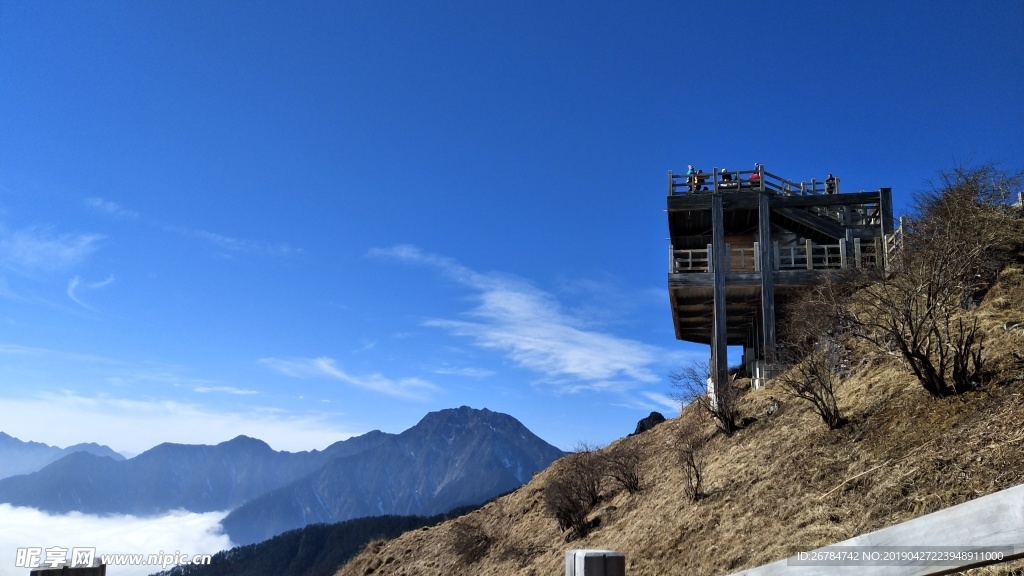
column 181, row 532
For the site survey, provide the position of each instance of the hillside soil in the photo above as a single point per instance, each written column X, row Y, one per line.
column 784, row 483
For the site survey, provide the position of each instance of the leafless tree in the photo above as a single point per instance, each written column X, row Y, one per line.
column 470, row 541
column 810, row 338
column 624, row 464
column 691, row 443
column 574, row 490
column 585, row 463
column 813, row 376
column 691, row 383
column 962, row 233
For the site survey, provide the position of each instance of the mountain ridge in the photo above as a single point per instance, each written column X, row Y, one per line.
column 19, row 457
column 450, row 458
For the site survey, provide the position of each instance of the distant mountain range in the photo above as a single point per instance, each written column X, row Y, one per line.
column 450, row 458
column 18, row 457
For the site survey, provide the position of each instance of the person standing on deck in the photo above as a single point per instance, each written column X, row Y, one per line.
column 830, row 184
column 755, row 178
column 691, row 178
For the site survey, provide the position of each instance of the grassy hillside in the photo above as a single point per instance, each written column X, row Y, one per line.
column 782, row 484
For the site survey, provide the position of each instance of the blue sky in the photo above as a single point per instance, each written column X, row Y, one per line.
column 306, row 220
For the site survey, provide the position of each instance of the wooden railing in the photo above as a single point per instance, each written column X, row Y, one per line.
column 809, row 256
column 689, row 260
column 803, row 256
column 720, row 179
column 893, row 243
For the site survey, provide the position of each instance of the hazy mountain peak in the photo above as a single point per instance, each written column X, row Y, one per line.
column 20, row 457
column 242, row 441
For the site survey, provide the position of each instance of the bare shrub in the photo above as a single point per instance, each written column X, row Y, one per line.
column 691, row 443
column 470, row 541
column 624, row 464
column 810, row 336
column 574, row 490
column 813, row 378
column 585, row 463
column 691, row 383
column 968, row 216
column 961, row 235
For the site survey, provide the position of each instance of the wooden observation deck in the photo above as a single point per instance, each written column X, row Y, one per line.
column 739, row 244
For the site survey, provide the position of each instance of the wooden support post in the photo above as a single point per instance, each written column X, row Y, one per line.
column 719, row 335
column 757, row 256
column 885, row 209
column 764, row 235
column 809, row 248
column 856, row 253
column 776, row 260
column 847, row 245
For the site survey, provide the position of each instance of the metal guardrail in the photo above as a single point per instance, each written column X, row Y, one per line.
column 985, row 531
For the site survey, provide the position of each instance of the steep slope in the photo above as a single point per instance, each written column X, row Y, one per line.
column 783, row 484
column 18, row 457
column 450, row 458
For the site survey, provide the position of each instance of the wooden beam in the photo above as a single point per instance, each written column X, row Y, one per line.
column 824, row 200
column 825, row 226
column 767, row 316
column 885, row 207
column 719, row 337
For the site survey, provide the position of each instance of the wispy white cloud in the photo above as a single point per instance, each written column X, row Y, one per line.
column 111, row 208
column 464, row 371
column 35, row 352
column 75, row 283
column 650, row 402
column 664, row 401
column 33, row 249
column 97, row 368
column 228, row 245
column 6, row 291
column 532, row 329
column 187, row 532
column 224, row 389
column 133, row 426
column 409, row 388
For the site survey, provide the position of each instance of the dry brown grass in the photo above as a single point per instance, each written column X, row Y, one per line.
column 783, row 484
